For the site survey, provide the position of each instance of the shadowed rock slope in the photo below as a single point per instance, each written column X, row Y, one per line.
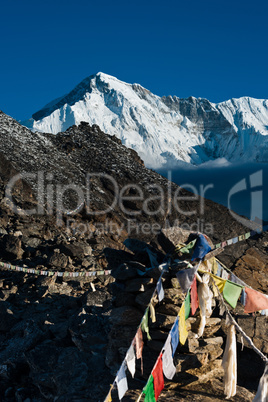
column 63, row 338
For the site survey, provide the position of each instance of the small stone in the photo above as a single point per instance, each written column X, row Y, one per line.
column 213, row 324
column 175, row 283
column 32, row 242
column 171, row 237
column 174, row 296
column 58, row 260
column 98, row 298
column 18, row 233
column 193, row 344
column 78, row 250
column 218, row 340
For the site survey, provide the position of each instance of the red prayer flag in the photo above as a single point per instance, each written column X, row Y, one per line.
column 255, row 301
column 194, row 296
column 138, row 342
column 158, row 377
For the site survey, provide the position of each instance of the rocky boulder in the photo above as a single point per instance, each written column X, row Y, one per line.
column 11, row 248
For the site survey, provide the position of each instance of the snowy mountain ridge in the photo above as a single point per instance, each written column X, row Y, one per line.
column 164, row 131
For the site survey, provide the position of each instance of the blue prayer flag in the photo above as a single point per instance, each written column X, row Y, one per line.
column 174, row 333
column 243, row 297
column 201, row 248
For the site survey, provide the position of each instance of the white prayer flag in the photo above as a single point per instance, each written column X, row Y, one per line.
column 169, row 369
column 229, row 363
column 160, row 290
column 131, row 360
column 224, row 274
column 262, row 393
column 121, row 381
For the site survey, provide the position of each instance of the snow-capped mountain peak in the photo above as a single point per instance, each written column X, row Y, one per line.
column 164, row 131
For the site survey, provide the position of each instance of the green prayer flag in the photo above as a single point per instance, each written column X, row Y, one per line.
column 247, row 235
column 148, row 390
column 187, row 305
column 188, row 248
column 145, row 323
column 231, row 293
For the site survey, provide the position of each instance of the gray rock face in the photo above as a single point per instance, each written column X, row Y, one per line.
column 257, row 329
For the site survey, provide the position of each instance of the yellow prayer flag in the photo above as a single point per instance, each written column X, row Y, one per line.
column 214, row 268
column 152, row 313
column 220, row 283
column 109, row 397
column 183, row 333
column 209, row 266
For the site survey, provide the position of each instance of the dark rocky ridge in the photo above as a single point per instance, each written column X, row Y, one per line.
column 58, row 336
column 80, row 150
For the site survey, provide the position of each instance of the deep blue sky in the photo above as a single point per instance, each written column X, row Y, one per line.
column 214, row 49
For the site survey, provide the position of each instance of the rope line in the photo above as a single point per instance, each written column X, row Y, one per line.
column 39, row 272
